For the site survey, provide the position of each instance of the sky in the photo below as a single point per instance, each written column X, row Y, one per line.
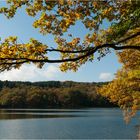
column 21, row 26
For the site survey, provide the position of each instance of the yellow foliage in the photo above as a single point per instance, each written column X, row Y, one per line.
column 125, row 89
column 56, row 17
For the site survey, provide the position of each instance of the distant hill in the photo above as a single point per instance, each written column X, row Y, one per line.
column 51, row 94
column 50, row 84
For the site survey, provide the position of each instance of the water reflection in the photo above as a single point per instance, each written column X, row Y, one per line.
column 55, row 113
column 138, row 131
column 35, row 113
column 98, row 123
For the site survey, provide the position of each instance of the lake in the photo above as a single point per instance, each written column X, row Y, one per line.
column 93, row 123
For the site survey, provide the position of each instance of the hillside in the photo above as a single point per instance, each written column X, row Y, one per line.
column 51, row 94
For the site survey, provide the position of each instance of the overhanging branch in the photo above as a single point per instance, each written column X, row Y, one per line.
column 128, row 38
column 91, row 52
column 116, row 46
column 87, row 52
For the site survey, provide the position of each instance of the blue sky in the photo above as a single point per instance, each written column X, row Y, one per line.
column 21, row 26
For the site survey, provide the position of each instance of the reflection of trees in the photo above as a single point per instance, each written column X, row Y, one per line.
column 138, row 131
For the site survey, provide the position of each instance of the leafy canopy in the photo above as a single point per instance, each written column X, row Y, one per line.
column 57, row 16
column 125, row 88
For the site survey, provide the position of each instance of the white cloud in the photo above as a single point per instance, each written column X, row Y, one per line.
column 31, row 73
column 105, row 76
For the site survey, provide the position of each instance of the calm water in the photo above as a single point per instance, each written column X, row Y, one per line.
column 96, row 123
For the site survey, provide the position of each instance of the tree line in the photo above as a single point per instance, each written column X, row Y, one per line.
column 51, row 94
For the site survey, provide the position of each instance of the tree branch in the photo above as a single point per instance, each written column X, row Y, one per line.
column 127, row 38
column 91, row 52
column 66, row 51
column 88, row 52
column 116, row 48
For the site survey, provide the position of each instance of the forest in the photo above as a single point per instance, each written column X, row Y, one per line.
column 71, row 51
column 51, row 94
